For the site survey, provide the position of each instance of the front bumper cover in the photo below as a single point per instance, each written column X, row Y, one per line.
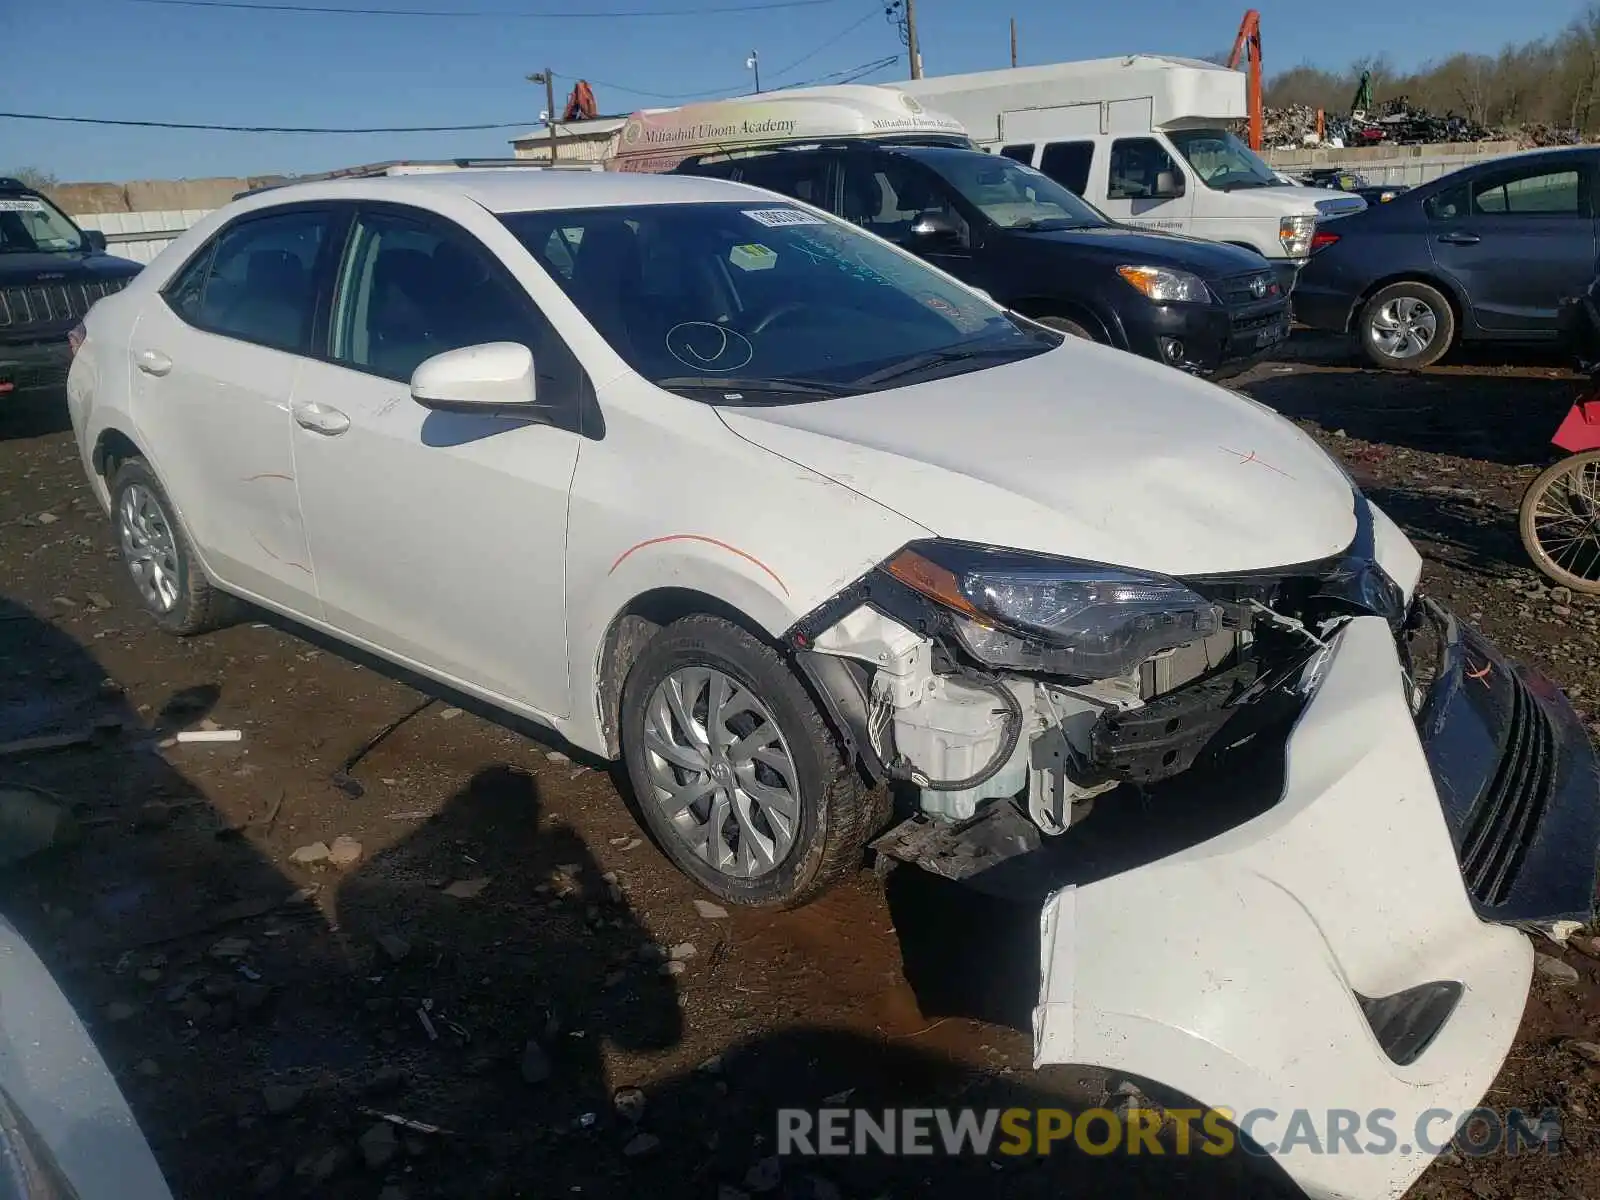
column 1239, row 970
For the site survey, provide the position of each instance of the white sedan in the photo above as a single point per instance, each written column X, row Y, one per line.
column 706, row 479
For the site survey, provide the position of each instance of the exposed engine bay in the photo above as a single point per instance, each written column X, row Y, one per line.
column 957, row 690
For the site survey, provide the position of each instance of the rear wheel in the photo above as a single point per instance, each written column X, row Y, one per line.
column 737, row 774
column 1407, row 326
column 1560, row 522
column 159, row 559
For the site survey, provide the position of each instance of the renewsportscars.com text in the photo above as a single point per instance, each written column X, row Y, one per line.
column 1215, row 1132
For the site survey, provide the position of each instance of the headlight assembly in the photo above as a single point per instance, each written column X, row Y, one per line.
column 1296, row 233
column 1162, row 284
column 1058, row 616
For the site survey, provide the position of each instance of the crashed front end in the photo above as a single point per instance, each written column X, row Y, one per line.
column 1320, row 817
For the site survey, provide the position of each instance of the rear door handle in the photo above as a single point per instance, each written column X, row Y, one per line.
column 152, row 362
column 1460, row 239
column 319, row 418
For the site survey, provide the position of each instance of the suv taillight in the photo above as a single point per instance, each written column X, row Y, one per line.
column 75, row 338
column 1322, row 240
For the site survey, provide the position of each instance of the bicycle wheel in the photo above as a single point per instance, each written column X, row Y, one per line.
column 1560, row 522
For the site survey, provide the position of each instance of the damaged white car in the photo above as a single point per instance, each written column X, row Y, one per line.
column 708, row 480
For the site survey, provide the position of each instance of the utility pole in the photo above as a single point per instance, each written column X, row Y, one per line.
column 1013, row 41
column 547, row 77
column 913, row 51
column 754, row 63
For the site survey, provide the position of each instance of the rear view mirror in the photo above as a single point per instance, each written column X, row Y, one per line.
column 934, row 231
column 495, row 378
column 1169, row 186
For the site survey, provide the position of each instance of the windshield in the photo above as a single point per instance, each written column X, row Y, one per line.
column 763, row 302
column 31, row 224
column 1222, row 161
column 1014, row 195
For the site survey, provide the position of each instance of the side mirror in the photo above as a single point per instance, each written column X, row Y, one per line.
column 94, row 239
column 494, row 379
column 934, row 231
column 1169, row 186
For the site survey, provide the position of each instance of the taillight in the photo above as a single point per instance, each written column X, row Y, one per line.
column 1322, row 240
column 75, row 338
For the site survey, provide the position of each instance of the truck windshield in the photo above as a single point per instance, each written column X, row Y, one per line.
column 1223, row 162
column 1012, row 194
column 763, row 302
column 32, row 225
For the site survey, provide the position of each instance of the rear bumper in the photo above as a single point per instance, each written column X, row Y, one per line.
column 33, row 367
column 1243, row 989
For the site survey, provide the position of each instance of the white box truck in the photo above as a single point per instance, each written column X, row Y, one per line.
column 1147, row 139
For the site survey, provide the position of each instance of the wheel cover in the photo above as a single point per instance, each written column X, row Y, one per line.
column 721, row 772
column 1566, row 520
column 148, row 547
column 1404, row 327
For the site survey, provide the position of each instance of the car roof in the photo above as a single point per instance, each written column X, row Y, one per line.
column 512, row 191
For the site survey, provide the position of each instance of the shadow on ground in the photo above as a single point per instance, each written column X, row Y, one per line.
column 1498, row 405
column 453, row 1017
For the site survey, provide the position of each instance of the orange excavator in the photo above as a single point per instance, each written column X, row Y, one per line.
column 1249, row 42
column 580, row 104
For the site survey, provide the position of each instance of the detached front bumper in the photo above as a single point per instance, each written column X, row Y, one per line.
column 1240, row 970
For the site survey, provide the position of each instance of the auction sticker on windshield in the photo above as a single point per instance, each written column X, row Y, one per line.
column 777, row 218
column 24, row 205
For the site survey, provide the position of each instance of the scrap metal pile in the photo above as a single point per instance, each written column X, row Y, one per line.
column 1396, row 122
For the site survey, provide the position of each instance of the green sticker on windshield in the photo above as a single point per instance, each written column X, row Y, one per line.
column 753, row 257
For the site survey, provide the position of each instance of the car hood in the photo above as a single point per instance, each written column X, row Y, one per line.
column 1141, row 247
column 1292, row 201
column 1084, row 451
column 75, row 266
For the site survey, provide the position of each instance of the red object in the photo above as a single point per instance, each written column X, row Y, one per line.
column 1322, row 239
column 1249, row 39
column 1581, row 430
column 6, row 387
column 580, row 105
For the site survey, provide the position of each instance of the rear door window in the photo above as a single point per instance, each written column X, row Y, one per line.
column 1068, row 164
column 259, row 280
column 1022, row 153
column 1539, row 191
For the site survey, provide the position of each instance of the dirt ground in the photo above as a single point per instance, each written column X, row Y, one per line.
column 263, row 1015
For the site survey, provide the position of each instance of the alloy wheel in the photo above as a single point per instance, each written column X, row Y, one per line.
column 721, row 772
column 148, row 547
column 1404, row 327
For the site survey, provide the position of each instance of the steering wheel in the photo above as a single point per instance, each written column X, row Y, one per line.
column 778, row 311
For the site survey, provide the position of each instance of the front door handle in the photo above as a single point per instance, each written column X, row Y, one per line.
column 1460, row 239
column 152, row 362
column 319, row 418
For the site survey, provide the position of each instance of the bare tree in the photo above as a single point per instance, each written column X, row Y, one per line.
column 32, row 177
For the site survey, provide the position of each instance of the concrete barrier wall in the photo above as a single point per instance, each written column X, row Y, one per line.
column 141, row 235
column 154, row 195
column 1405, row 165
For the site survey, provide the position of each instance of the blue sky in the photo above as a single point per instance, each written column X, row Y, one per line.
column 122, row 58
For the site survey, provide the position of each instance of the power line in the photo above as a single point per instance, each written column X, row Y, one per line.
column 838, row 37
column 737, row 89
column 569, row 15
column 15, row 116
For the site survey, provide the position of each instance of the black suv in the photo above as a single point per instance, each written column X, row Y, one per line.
column 50, row 273
column 1036, row 248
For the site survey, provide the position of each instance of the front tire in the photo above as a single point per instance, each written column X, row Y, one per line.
column 1067, row 326
column 1406, row 327
column 737, row 774
column 159, row 558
